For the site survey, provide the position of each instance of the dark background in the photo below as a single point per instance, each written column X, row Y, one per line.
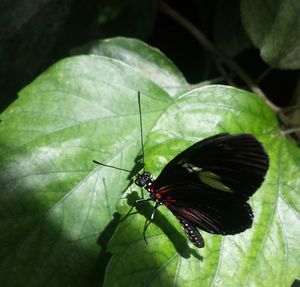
column 35, row 34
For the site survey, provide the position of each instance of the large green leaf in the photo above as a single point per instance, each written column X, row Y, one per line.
column 274, row 27
column 54, row 201
column 147, row 60
column 265, row 255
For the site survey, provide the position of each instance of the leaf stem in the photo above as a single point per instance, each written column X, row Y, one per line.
column 290, row 131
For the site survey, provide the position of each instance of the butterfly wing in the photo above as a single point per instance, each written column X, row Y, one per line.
column 234, row 164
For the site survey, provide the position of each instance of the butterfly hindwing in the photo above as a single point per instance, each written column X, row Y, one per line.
column 208, row 209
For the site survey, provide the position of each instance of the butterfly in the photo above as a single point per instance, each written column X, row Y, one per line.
column 207, row 186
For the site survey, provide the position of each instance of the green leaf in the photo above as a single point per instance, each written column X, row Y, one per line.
column 274, row 27
column 265, row 255
column 148, row 61
column 55, row 202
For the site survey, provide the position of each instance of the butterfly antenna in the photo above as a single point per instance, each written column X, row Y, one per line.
column 111, row 166
column 141, row 127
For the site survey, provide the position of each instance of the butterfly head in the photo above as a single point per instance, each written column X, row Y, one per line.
column 144, row 180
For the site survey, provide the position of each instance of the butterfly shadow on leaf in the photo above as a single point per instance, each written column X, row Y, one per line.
column 179, row 241
column 103, row 256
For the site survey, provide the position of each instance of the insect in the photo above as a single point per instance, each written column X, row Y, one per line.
column 207, row 185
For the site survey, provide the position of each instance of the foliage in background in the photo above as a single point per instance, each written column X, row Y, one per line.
column 274, row 27
column 34, row 34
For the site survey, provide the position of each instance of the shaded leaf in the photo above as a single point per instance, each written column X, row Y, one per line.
column 229, row 32
column 139, row 16
column 274, row 27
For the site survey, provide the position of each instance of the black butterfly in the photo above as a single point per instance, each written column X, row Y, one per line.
column 207, row 185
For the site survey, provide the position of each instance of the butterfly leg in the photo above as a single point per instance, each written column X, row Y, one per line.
column 148, row 222
column 134, row 204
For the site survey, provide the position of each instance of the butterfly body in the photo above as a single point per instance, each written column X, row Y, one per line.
column 207, row 185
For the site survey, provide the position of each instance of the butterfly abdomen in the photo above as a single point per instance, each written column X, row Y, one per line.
column 192, row 232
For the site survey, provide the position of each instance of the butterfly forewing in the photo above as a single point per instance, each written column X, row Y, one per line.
column 233, row 164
